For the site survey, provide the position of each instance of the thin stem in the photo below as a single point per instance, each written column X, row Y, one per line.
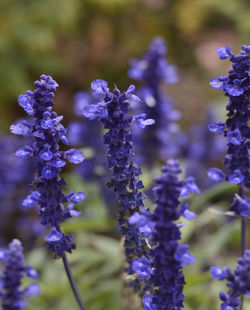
column 243, row 241
column 243, row 247
column 243, row 236
column 72, row 282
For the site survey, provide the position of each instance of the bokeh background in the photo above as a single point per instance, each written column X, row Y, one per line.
column 76, row 42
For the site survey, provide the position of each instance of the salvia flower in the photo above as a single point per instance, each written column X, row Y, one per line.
column 46, row 132
column 162, row 267
column 164, row 139
column 236, row 128
column 238, row 282
column 12, row 292
column 112, row 111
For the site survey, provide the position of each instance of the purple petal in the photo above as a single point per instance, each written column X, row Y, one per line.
column 131, row 89
column 224, row 52
column 31, row 199
column 216, row 83
column 147, row 301
column 58, row 163
column 236, row 177
column 78, row 197
column 218, row 273
column 244, row 206
column 21, row 129
column 49, row 172
column 182, row 256
column 216, row 174
column 235, row 137
column 53, row 236
column 31, row 273
column 26, row 102
column 217, row 127
column 74, row 156
column 189, row 187
column 32, row 290
column 142, row 267
column 46, row 154
column 234, row 90
column 25, row 152
column 189, row 215
column 99, row 87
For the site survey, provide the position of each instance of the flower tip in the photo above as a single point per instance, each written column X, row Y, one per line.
column 216, row 174
column 217, row 273
column 99, row 87
column 32, row 290
column 74, row 156
column 224, row 52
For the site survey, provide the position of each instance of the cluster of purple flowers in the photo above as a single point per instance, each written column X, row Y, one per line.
column 162, row 269
column 46, row 132
column 236, row 128
column 238, row 282
column 153, row 250
column 164, row 139
column 11, row 291
column 112, row 111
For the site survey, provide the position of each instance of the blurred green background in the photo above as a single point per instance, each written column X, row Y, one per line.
column 78, row 41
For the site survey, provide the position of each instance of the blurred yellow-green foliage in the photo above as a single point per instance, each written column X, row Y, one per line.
column 79, row 40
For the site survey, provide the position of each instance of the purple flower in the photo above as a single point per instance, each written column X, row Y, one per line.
column 142, row 267
column 189, row 187
column 238, row 281
column 99, row 87
column 147, row 301
column 142, row 122
column 218, row 273
column 113, row 114
column 224, row 52
column 183, row 256
column 141, row 221
column 236, row 177
column 236, row 127
column 217, row 127
column 164, row 139
column 74, row 156
column 241, row 206
column 235, row 137
column 216, row 174
column 11, row 291
column 162, row 266
column 46, row 132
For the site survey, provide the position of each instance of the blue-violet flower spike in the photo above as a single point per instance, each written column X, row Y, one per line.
column 161, row 268
column 12, row 292
column 236, row 127
column 238, row 282
column 112, row 111
column 46, row 131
